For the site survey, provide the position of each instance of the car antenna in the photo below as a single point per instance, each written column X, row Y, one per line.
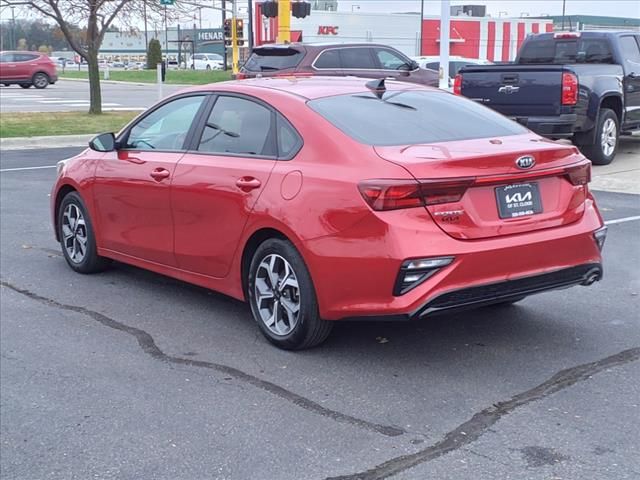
column 377, row 87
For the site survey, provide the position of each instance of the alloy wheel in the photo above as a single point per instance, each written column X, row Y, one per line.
column 277, row 294
column 609, row 137
column 74, row 233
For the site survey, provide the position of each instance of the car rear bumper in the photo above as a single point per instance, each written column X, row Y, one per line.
column 560, row 126
column 358, row 283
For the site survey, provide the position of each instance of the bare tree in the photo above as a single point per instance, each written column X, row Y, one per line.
column 95, row 17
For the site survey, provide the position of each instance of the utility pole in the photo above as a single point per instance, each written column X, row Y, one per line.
column 421, row 26
column 14, row 40
column 146, row 33
column 224, row 47
column 166, row 36
column 564, row 2
column 445, row 13
column 250, row 26
column 234, row 37
column 284, row 21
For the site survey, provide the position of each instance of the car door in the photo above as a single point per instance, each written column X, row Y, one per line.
column 132, row 186
column 25, row 65
column 359, row 61
column 7, row 67
column 630, row 47
column 392, row 63
column 218, row 181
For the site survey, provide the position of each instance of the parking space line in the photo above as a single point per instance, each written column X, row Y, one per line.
column 622, row 220
column 26, row 168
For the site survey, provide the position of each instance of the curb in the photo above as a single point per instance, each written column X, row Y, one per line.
column 120, row 82
column 53, row 141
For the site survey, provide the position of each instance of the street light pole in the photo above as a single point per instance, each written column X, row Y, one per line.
column 146, row 33
column 166, row 36
column 250, row 26
column 14, row 41
column 421, row 26
column 444, row 43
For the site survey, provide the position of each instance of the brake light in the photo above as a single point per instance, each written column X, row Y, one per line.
column 569, row 89
column 566, row 35
column 395, row 194
column 457, row 84
column 580, row 174
column 241, row 76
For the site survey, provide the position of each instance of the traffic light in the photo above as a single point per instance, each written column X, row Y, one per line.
column 301, row 9
column 240, row 31
column 270, row 9
column 227, row 31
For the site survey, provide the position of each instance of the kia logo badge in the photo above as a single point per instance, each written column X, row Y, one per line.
column 525, row 162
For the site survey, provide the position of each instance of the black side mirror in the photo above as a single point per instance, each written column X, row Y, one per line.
column 414, row 65
column 105, row 142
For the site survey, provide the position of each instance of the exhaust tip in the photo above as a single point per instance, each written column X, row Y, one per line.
column 592, row 277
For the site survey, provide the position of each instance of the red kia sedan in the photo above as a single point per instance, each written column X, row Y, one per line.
column 322, row 199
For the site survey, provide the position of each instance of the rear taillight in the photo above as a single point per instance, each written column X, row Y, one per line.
column 580, row 174
column 569, row 89
column 396, row 194
column 241, row 76
column 457, row 84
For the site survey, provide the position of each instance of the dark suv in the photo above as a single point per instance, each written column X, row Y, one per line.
column 367, row 60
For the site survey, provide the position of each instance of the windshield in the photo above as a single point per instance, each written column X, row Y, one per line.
column 270, row 59
column 412, row 117
column 558, row 52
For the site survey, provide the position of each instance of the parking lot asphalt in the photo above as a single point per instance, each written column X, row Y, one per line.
column 67, row 95
column 128, row 374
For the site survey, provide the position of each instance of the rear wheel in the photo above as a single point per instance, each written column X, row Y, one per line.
column 40, row 80
column 77, row 237
column 25, row 85
column 603, row 150
column 282, row 297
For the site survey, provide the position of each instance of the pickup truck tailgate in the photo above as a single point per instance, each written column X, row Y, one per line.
column 514, row 89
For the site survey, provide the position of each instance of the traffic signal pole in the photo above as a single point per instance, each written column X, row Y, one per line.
column 235, row 57
column 284, row 21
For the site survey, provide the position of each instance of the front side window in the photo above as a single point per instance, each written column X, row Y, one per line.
column 412, row 117
column 357, row 58
column 165, row 128
column 238, row 126
column 390, row 60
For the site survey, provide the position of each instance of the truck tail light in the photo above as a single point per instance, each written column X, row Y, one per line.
column 569, row 89
column 457, row 84
column 396, row 194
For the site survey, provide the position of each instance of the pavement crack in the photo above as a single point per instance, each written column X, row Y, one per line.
column 148, row 345
column 471, row 430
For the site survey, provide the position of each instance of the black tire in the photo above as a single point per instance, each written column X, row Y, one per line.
column 25, row 85
column 595, row 151
column 309, row 330
column 40, row 80
column 91, row 262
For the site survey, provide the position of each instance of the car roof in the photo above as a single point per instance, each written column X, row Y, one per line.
column 308, row 88
column 321, row 45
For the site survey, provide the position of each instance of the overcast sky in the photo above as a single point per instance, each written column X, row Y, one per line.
column 504, row 8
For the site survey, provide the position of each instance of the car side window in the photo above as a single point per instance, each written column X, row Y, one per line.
column 166, row 127
column 328, row 59
column 630, row 49
column 433, row 66
column 238, row 126
column 357, row 58
column 289, row 142
column 24, row 57
column 6, row 58
column 390, row 60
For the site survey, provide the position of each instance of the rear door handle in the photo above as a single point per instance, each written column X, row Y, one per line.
column 248, row 183
column 160, row 174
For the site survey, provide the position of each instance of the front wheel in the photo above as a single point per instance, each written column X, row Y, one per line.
column 603, row 150
column 77, row 237
column 40, row 80
column 282, row 298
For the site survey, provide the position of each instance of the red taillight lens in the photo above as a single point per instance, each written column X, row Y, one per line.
column 396, row 194
column 580, row 174
column 569, row 89
column 241, row 76
column 457, row 84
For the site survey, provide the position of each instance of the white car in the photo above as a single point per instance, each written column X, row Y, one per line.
column 206, row 61
column 455, row 64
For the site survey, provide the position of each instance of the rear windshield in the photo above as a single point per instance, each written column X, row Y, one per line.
column 412, row 117
column 552, row 51
column 270, row 59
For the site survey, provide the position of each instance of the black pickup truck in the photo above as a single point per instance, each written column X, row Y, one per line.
column 579, row 85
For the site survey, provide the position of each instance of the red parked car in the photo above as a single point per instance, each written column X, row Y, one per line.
column 324, row 199
column 26, row 69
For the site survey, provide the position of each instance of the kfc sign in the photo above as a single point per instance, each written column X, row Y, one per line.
column 324, row 30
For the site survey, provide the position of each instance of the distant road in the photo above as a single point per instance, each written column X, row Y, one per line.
column 68, row 95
